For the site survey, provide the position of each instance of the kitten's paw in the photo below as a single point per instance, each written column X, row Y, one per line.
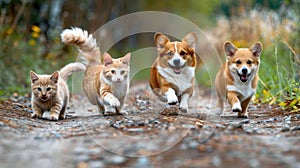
column 36, row 115
column 112, row 101
column 237, row 107
column 54, row 117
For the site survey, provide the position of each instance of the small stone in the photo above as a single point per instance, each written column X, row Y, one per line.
column 28, row 110
column 117, row 159
column 142, row 162
column 254, row 163
column 2, row 124
column 245, row 121
column 82, row 158
column 220, row 126
column 295, row 128
column 216, row 161
column 285, row 128
column 96, row 164
column 298, row 116
column 82, row 165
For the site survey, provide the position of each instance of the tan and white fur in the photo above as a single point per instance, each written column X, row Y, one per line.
column 173, row 73
column 105, row 85
column 237, row 79
column 50, row 92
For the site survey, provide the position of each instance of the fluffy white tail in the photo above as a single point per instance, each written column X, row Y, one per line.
column 85, row 42
column 71, row 68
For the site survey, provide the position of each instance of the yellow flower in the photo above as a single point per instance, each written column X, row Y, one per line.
column 9, row 31
column 36, row 29
column 35, row 34
column 32, row 42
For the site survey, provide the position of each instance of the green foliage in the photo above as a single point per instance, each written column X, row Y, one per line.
column 20, row 53
column 279, row 73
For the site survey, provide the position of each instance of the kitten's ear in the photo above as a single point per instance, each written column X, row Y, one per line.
column 54, row 76
column 160, row 40
column 126, row 59
column 107, row 59
column 191, row 39
column 229, row 49
column 33, row 76
column 256, row 49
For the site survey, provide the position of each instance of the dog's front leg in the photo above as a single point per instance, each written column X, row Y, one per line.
column 244, row 113
column 234, row 101
column 184, row 103
column 171, row 96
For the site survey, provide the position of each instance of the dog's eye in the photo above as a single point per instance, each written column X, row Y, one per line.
column 238, row 62
column 249, row 62
column 170, row 53
column 182, row 53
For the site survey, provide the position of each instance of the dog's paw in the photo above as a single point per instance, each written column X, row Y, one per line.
column 172, row 99
column 237, row 107
column 184, row 110
column 243, row 115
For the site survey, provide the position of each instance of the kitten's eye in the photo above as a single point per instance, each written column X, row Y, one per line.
column 39, row 89
column 182, row 53
column 238, row 62
column 249, row 62
column 48, row 89
column 113, row 71
column 122, row 72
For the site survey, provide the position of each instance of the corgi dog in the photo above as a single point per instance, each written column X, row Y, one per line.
column 173, row 72
column 237, row 79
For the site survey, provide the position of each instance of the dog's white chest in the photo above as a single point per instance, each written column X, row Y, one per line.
column 182, row 80
column 245, row 90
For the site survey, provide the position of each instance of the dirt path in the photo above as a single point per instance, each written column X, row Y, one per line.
column 144, row 138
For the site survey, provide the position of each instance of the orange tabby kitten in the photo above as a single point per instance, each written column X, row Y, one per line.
column 50, row 92
column 105, row 85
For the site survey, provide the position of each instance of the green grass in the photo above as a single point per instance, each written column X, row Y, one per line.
column 279, row 78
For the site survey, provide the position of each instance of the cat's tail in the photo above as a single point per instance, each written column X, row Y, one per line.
column 85, row 42
column 71, row 68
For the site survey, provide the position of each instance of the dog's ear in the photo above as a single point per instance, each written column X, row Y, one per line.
column 256, row 49
column 160, row 40
column 191, row 39
column 229, row 49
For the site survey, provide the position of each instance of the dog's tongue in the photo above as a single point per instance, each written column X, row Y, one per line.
column 244, row 77
column 177, row 70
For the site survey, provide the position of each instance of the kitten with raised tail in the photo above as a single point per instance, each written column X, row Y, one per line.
column 105, row 84
column 51, row 93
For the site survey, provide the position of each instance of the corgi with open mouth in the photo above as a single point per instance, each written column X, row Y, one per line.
column 173, row 72
column 238, row 78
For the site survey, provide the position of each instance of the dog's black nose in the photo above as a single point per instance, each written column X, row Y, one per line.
column 244, row 71
column 176, row 62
